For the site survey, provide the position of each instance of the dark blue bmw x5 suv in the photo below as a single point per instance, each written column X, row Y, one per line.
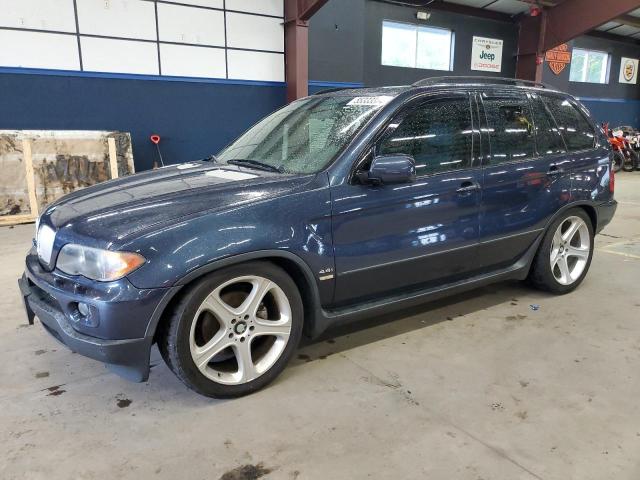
column 339, row 206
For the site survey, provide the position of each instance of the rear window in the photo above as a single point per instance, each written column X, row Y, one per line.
column 510, row 128
column 577, row 132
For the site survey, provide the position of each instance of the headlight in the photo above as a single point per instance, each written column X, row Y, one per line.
column 97, row 264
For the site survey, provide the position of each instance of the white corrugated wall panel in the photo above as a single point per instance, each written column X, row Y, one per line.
column 255, row 32
column 245, row 65
column 198, row 26
column 39, row 50
column 188, row 61
column 119, row 56
column 117, row 18
column 54, row 15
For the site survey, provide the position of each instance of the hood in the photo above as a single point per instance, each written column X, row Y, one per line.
column 117, row 210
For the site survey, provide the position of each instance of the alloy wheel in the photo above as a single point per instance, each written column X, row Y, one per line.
column 570, row 250
column 240, row 330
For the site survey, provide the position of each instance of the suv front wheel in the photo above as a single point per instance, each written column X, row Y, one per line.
column 234, row 331
column 564, row 256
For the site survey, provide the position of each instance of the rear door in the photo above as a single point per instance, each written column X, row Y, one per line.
column 525, row 178
column 588, row 152
column 391, row 238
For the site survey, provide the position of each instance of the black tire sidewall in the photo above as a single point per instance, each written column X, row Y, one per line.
column 189, row 372
column 618, row 161
column 542, row 273
column 628, row 164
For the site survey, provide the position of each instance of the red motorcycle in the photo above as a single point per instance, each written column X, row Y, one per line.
column 624, row 157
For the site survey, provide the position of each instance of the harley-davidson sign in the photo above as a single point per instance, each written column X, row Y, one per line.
column 558, row 58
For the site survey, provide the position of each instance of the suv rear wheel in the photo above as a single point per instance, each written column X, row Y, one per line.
column 234, row 330
column 564, row 256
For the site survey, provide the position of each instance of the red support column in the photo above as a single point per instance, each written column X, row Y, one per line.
column 296, row 45
column 530, row 40
column 296, row 57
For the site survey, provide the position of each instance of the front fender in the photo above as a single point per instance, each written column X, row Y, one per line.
column 311, row 294
column 296, row 226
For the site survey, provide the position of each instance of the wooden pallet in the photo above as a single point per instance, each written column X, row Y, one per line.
column 26, row 193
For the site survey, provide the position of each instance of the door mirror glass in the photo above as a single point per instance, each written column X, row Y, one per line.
column 389, row 169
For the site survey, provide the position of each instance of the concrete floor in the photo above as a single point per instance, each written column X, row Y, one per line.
column 480, row 386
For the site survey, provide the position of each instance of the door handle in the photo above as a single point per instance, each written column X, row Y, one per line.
column 554, row 170
column 468, row 187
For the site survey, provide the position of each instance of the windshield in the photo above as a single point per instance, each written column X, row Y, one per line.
column 304, row 136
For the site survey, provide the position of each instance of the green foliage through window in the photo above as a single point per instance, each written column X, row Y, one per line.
column 589, row 66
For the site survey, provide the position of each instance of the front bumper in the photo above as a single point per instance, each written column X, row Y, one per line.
column 604, row 213
column 126, row 317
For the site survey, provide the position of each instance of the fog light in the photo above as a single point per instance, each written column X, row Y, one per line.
column 83, row 308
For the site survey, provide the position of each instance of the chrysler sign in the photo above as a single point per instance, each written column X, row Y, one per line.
column 486, row 54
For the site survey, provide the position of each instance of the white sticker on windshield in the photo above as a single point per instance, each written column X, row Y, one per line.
column 229, row 175
column 371, row 101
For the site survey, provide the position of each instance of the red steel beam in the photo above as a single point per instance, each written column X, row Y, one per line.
column 559, row 24
column 296, row 45
column 572, row 18
column 308, row 8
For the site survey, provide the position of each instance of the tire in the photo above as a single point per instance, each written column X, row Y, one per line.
column 253, row 307
column 631, row 162
column 618, row 160
column 561, row 263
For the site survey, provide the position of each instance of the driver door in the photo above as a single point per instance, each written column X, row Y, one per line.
column 394, row 238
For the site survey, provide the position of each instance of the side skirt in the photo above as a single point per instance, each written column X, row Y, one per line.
column 518, row 271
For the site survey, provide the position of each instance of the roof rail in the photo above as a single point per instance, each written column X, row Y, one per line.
column 478, row 79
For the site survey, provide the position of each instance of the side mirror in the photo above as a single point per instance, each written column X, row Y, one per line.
column 389, row 169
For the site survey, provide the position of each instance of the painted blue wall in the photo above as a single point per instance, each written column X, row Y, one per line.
column 194, row 118
column 616, row 111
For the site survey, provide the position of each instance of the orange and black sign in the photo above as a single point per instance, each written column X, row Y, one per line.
column 558, row 58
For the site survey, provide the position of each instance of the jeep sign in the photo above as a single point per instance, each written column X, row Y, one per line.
column 486, row 54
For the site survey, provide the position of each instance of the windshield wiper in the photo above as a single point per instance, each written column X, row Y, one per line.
column 247, row 162
column 211, row 158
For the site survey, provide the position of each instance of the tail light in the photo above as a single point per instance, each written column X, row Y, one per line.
column 612, row 178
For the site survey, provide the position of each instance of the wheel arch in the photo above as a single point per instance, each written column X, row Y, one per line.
column 293, row 265
column 588, row 207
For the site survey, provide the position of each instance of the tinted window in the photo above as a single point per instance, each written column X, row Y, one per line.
column 438, row 135
column 510, row 128
column 548, row 138
column 577, row 132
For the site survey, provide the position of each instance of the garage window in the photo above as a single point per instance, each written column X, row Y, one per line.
column 415, row 46
column 589, row 66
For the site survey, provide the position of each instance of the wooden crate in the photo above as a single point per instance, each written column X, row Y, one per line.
column 37, row 167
